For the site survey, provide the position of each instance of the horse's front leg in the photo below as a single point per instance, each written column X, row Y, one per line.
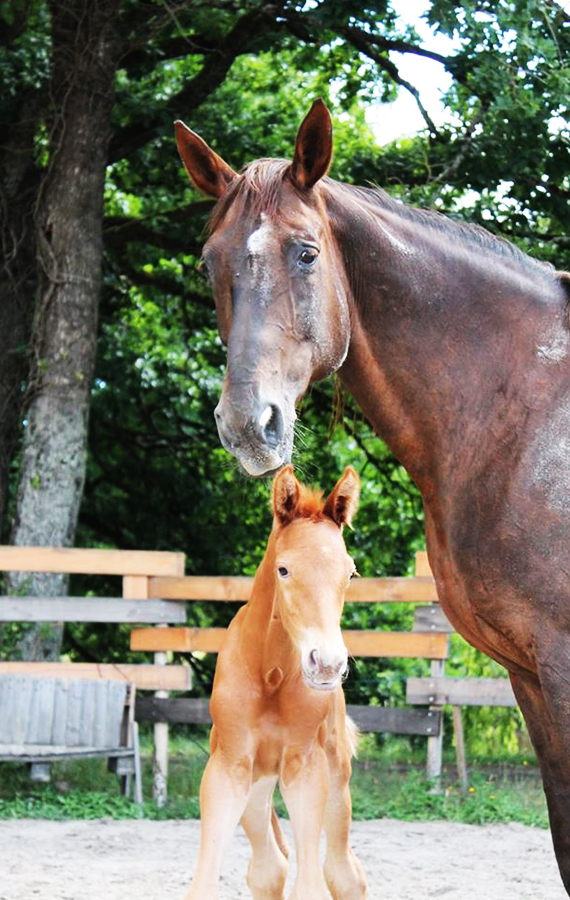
column 343, row 870
column 304, row 784
column 268, row 866
column 224, row 793
column 545, row 707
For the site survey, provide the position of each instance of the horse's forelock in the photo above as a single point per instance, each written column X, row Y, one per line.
column 258, row 187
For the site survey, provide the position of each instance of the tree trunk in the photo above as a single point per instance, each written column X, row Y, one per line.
column 18, row 184
column 69, row 252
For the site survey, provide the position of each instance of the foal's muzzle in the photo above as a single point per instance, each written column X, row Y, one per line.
column 324, row 671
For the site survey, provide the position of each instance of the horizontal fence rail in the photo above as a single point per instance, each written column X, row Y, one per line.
column 359, row 643
column 90, row 609
column 404, row 589
column 71, row 560
column 380, row 719
column 460, row 691
column 144, row 677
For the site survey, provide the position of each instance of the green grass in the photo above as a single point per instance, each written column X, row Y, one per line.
column 388, row 781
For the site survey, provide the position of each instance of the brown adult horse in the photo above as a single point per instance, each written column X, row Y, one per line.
column 278, row 708
column 456, row 346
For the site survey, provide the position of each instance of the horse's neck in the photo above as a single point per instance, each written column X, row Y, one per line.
column 441, row 327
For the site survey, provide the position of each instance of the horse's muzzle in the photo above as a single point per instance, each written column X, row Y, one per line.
column 324, row 672
column 256, row 440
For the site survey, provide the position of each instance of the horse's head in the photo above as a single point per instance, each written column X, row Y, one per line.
column 313, row 571
column 278, row 284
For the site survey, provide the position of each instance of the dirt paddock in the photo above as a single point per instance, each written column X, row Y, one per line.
column 142, row 860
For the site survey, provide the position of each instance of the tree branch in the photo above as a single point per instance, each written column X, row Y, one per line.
column 366, row 43
column 213, row 72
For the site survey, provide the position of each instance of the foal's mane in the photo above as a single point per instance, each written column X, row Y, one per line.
column 260, row 186
column 310, row 504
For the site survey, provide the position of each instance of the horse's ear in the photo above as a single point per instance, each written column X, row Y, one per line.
column 208, row 172
column 286, row 495
column 313, row 147
column 342, row 503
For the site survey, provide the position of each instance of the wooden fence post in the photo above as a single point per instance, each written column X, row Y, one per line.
column 137, row 587
column 435, row 744
column 460, row 748
column 160, row 758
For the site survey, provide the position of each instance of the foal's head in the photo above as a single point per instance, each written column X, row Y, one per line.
column 313, row 571
column 278, row 283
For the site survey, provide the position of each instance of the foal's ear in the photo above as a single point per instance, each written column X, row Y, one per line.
column 342, row 503
column 286, row 495
column 206, row 169
column 313, row 147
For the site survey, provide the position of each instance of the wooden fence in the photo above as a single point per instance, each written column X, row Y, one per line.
column 155, row 592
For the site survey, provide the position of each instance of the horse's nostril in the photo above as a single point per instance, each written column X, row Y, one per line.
column 314, row 659
column 265, row 417
column 271, row 424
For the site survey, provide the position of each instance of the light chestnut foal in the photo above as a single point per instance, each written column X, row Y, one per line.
column 279, row 712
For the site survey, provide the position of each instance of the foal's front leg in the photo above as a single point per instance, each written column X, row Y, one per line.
column 304, row 786
column 268, row 866
column 343, row 870
column 224, row 793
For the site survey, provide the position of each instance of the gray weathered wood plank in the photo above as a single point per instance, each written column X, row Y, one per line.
column 432, row 618
column 174, row 710
column 47, row 711
column 389, row 720
column 90, row 609
column 195, row 711
column 460, row 691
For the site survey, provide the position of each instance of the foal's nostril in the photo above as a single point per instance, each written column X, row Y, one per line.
column 271, row 424
column 314, row 659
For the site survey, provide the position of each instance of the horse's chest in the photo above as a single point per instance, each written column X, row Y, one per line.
column 281, row 727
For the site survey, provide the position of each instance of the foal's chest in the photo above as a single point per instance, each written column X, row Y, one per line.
column 285, row 727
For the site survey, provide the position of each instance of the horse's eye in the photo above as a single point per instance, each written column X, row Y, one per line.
column 282, row 572
column 203, row 270
column 307, row 257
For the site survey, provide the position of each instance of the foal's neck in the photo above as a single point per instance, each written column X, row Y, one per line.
column 266, row 637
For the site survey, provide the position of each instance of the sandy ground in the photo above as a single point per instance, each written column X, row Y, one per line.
column 106, row 860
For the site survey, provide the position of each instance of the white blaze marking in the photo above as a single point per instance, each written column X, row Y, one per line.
column 259, row 245
column 259, row 240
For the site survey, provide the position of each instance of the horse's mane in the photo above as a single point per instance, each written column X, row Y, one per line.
column 260, row 186
column 444, row 224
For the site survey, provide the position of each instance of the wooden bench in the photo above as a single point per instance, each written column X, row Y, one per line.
column 134, row 606
column 44, row 720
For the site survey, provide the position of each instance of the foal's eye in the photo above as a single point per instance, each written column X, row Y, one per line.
column 203, row 270
column 282, row 572
column 354, row 574
column 307, row 257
